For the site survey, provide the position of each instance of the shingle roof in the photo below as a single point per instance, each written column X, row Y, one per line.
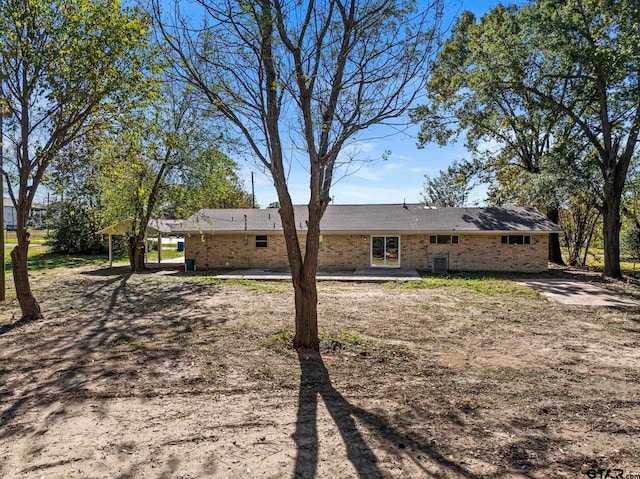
column 393, row 218
column 165, row 226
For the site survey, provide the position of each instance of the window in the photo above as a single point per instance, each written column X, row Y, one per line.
column 320, row 241
column 443, row 239
column 516, row 239
column 261, row 241
column 385, row 251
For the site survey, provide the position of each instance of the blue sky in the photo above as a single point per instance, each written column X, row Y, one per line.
column 399, row 178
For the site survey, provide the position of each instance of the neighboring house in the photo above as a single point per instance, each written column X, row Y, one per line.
column 36, row 216
column 165, row 226
column 376, row 236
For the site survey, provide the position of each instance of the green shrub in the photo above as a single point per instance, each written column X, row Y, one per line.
column 631, row 242
column 75, row 230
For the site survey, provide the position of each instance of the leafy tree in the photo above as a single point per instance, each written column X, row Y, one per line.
column 137, row 160
column 63, row 65
column 209, row 180
column 567, row 183
column 74, row 229
column 578, row 223
column 468, row 94
column 592, row 46
column 451, row 188
column 631, row 242
column 315, row 75
column 73, row 176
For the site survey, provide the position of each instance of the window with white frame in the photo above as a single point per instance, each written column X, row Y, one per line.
column 443, row 239
column 516, row 239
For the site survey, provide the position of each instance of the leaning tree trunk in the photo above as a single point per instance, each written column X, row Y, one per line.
column 555, row 253
column 28, row 303
column 611, row 234
column 135, row 250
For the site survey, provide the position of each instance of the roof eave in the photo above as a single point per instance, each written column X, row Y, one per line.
column 372, row 232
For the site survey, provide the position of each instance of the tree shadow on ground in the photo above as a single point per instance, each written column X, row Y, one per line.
column 314, row 383
column 5, row 328
column 93, row 343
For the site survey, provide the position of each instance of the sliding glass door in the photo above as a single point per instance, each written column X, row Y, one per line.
column 385, row 251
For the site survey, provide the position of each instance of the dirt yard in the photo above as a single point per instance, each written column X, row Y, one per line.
column 163, row 375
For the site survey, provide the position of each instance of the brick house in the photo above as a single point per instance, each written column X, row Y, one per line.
column 413, row 236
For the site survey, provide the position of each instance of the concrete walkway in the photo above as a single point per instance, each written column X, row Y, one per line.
column 567, row 291
column 166, row 263
column 365, row 275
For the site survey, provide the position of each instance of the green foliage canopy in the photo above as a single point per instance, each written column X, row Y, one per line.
column 75, row 229
column 451, row 188
column 209, row 180
column 545, row 76
column 65, row 67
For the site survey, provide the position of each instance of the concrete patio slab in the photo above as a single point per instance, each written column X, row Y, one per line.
column 172, row 263
column 365, row 275
column 566, row 291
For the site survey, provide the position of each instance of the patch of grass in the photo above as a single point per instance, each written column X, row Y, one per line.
column 166, row 254
column 280, row 340
column 10, row 241
column 351, row 342
column 346, row 341
column 250, row 284
column 477, row 284
column 597, row 264
column 343, row 340
column 35, row 237
column 592, row 250
column 48, row 260
column 42, row 258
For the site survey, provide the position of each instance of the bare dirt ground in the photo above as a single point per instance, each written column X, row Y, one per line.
column 163, row 375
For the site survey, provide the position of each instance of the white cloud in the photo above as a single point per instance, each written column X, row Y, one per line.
column 397, row 157
column 359, row 150
column 377, row 171
column 489, row 146
column 347, row 194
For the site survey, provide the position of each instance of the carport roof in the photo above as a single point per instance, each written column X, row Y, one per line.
column 124, row 227
column 396, row 218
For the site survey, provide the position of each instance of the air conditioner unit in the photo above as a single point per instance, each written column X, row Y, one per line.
column 440, row 264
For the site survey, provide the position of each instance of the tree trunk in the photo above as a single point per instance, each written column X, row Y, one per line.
column 303, row 271
column 135, row 250
column 589, row 238
column 306, row 292
column 28, row 303
column 555, row 253
column 306, row 299
column 303, row 275
column 611, row 235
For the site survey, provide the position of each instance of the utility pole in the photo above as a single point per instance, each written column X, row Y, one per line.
column 253, row 192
